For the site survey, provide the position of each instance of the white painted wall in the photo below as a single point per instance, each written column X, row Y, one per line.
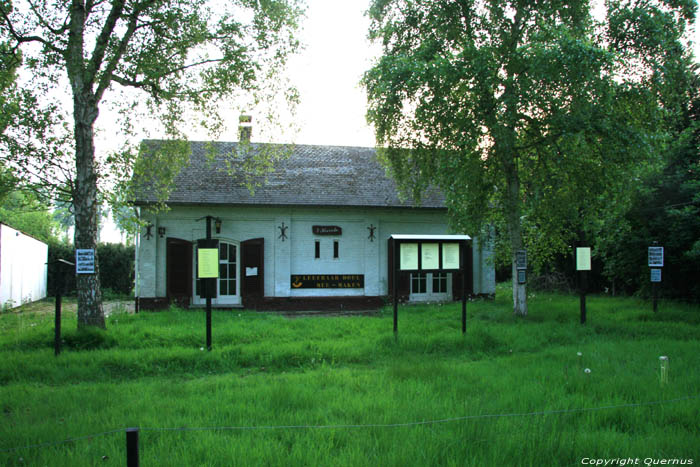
column 295, row 253
column 23, row 271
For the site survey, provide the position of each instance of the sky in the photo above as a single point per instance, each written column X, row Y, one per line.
column 327, row 74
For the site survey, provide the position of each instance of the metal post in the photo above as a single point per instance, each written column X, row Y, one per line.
column 60, row 283
column 57, row 324
column 653, row 293
column 132, row 447
column 464, row 287
column 208, row 300
column 583, row 296
column 396, row 292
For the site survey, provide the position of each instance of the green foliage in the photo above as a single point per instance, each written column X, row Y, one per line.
column 267, row 371
column 527, row 115
column 24, row 212
column 117, row 267
column 165, row 60
column 664, row 207
column 116, row 273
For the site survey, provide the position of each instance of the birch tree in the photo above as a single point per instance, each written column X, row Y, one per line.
column 522, row 112
column 179, row 55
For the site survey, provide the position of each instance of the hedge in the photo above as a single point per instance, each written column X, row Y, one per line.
column 116, row 268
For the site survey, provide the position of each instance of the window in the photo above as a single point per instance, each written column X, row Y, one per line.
column 317, row 249
column 227, row 269
column 439, row 282
column 336, row 247
column 419, row 282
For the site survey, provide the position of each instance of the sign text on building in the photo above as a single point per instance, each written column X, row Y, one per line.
column 328, row 281
column 326, row 230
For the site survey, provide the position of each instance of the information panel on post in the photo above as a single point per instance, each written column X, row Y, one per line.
column 656, row 256
column 85, row 261
column 583, row 259
column 208, row 266
column 430, row 252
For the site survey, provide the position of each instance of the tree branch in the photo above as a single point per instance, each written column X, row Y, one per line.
column 100, row 49
column 45, row 23
column 21, row 38
column 121, row 48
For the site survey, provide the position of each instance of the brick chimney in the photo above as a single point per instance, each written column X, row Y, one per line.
column 245, row 128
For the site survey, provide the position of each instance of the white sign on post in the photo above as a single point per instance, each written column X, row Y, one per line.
column 85, row 261
column 583, row 259
column 655, row 275
column 656, row 256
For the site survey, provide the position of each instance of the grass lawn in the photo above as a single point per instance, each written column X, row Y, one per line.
column 343, row 391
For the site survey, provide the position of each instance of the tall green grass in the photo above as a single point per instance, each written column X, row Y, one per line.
column 345, row 391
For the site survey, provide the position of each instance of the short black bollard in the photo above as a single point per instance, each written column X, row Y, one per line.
column 132, row 447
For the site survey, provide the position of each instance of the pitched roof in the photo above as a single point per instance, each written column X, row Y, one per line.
column 308, row 176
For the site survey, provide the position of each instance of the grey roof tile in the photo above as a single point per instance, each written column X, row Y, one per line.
column 308, row 175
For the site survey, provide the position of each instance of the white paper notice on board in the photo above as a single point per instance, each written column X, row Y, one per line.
column 409, row 256
column 251, row 272
column 583, row 259
column 450, row 256
column 429, row 256
column 85, row 261
column 656, row 256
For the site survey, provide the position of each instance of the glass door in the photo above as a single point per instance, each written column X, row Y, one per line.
column 228, row 286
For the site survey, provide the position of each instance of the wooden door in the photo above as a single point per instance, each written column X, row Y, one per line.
column 179, row 271
column 252, row 271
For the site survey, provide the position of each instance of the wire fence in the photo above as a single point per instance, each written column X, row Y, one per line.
column 353, row 426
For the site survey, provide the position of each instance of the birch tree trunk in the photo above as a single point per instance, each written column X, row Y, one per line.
column 90, row 312
column 85, row 203
column 513, row 213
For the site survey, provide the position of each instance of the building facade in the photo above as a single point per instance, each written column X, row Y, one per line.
column 313, row 234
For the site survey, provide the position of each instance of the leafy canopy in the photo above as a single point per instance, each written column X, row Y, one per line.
column 526, row 114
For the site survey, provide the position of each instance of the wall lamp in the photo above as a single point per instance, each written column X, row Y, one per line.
column 217, row 224
column 161, row 231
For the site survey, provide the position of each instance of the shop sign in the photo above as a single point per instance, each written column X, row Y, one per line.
column 328, row 281
column 326, row 230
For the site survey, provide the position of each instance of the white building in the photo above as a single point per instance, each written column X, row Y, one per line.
column 313, row 235
column 23, row 271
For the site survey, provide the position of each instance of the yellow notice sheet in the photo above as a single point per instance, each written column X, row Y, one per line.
column 409, row 256
column 450, row 256
column 208, row 263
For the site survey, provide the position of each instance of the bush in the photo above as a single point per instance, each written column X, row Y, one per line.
column 116, row 268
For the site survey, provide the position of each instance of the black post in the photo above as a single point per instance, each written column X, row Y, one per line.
column 60, row 284
column 653, row 293
column 464, row 287
column 57, row 323
column 208, row 299
column 132, row 447
column 582, row 276
column 396, row 291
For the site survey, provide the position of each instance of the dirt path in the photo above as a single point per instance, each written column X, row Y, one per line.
column 69, row 305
